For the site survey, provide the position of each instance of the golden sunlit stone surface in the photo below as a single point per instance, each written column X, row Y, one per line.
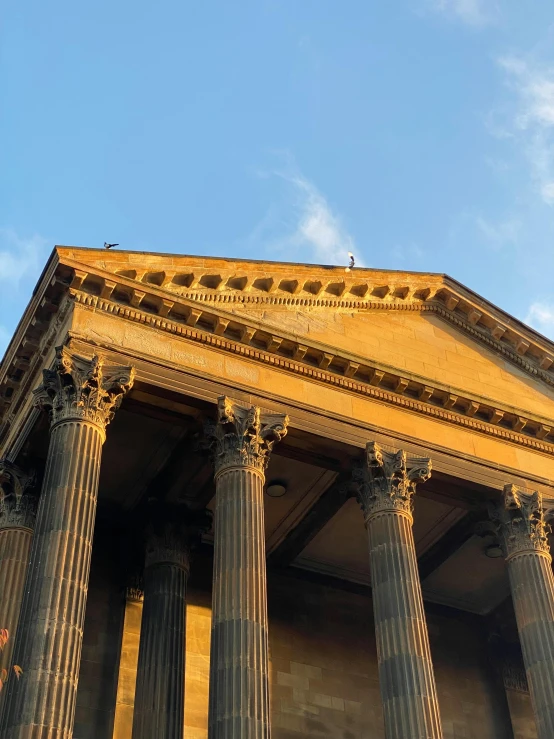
column 412, row 362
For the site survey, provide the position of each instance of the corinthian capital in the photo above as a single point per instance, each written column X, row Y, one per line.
column 388, row 480
column 172, row 533
column 17, row 503
column 522, row 522
column 244, row 437
column 134, row 592
column 83, row 389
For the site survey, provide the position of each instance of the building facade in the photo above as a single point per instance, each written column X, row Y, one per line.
column 252, row 499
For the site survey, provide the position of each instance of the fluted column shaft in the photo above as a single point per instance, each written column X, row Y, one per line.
column 523, row 530
column 160, row 689
column 407, row 682
column 15, row 547
column 239, row 662
column 53, row 611
column 239, row 672
column 41, row 704
column 17, row 520
column 532, row 586
column 406, row 678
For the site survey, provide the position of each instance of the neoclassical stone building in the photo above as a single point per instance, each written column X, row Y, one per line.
column 242, row 499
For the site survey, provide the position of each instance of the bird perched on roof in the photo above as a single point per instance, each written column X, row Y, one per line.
column 109, row 246
column 351, row 263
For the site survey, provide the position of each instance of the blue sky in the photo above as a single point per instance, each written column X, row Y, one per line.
column 418, row 133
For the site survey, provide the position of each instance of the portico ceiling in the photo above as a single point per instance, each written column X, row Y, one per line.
column 152, row 450
column 467, row 580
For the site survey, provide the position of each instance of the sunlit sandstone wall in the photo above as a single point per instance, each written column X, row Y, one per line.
column 325, row 673
column 98, row 676
column 521, row 712
column 422, row 344
column 323, row 669
column 463, row 366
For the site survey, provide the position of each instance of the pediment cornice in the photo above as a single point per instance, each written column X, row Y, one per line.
column 201, row 308
column 235, row 284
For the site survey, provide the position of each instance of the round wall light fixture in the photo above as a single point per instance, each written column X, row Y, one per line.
column 494, row 551
column 276, row 489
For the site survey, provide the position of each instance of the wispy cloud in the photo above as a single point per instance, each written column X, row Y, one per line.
column 541, row 317
column 530, row 120
column 476, row 13
column 303, row 226
column 501, row 233
column 318, row 228
column 19, row 257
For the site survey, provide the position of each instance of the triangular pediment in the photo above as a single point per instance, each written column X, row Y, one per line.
column 420, row 340
column 259, row 287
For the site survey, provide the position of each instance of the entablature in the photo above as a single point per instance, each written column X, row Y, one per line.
column 205, row 306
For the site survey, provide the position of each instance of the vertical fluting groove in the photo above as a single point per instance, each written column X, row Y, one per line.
column 407, row 682
column 160, row 687
column 15, row 546
column 41, row 705
column 239, row 689
column 532, row 585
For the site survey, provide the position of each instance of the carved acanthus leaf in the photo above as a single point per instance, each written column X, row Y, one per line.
column 388, row 480
column 84, row 389
column 244, row 436
column 522, row 521
column 172, row 533
column 18, row 504
column 134, row 592
column 167, row 546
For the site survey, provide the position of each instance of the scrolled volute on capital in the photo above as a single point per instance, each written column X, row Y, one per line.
column 79, row 388
column 522, row 521
column 244, row 436
column 387, row 481
column 18, row 504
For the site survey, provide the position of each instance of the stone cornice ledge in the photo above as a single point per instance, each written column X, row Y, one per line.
column 198, row 307
column 360, row 290
column 434, row 402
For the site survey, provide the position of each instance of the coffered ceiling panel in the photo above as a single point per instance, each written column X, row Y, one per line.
column 340, row 549
column 469, row 579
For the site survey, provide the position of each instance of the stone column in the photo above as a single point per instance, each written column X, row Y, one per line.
column 17, row 520
column 82, row 395
column 239, row 692
column 407, row 682
column 523, row 530
column 160, row 689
